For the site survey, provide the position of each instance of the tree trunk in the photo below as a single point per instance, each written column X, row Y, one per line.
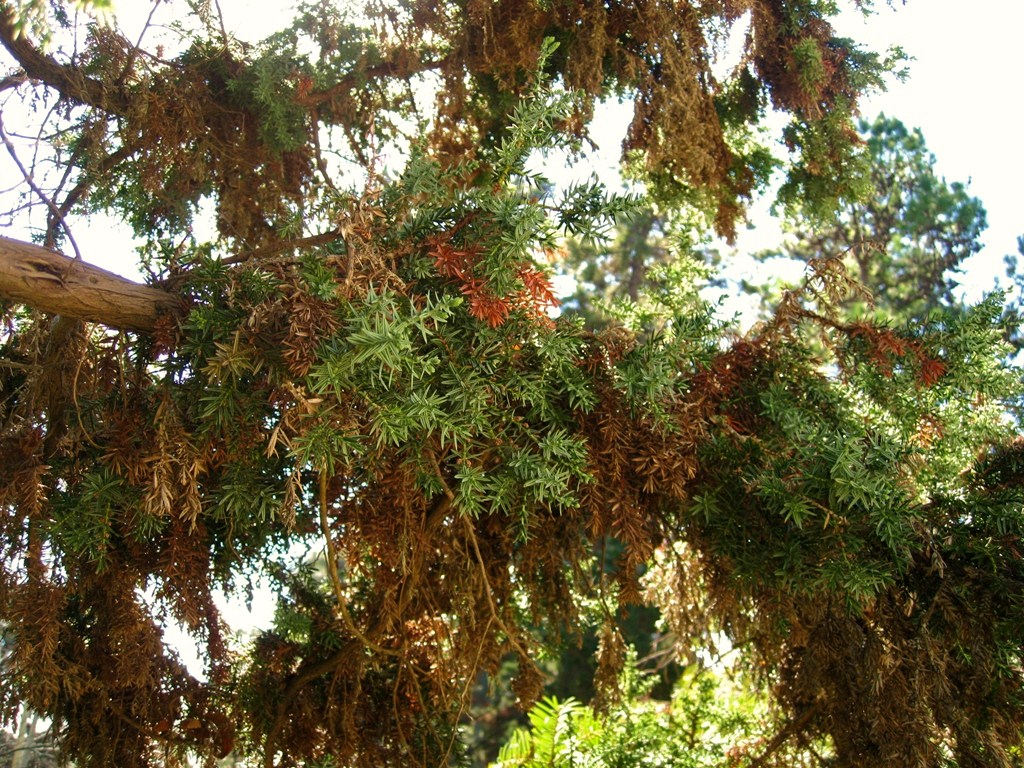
column 25, row 742
column 52, row 282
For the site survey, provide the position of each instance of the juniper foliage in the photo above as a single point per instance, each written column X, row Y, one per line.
column 365, row 369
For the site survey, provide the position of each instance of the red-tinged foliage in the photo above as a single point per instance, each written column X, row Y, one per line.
column 884, row 346
column 887, row 350
column 452, row 262
column 930, row 370
column 538, row 289
column 462, row 266
column 485, row 306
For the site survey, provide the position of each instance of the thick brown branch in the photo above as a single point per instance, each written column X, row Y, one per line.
column 52, row 282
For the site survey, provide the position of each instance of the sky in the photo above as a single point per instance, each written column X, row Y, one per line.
column 966, row 94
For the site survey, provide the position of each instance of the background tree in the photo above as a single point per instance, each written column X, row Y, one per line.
column 353, row 388
column 904, row 236
column 1015, row 311
column 908, row 232
column 617, row 268
column 706, row 722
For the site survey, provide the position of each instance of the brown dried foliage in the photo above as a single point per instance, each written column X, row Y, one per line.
column 88, row 646
column 189, row 129
column 213, row 144
column 430, row 596
column 777, row 36
column 660, row 51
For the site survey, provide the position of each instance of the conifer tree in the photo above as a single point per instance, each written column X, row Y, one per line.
column 351, row 384
column 905, row 236
column 1015, row 310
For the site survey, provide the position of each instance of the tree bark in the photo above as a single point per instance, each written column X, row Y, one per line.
column 52, row 282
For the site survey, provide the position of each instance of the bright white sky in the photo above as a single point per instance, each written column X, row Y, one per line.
column 966, row 94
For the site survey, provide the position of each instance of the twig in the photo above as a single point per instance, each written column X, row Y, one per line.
column 13, row 81
column 109, row 162
column 18, row 366
column 465, row 692
column 471, row 535
column 314, row 671
column 321, row 163
column 130, row 63
column 220, row 20
column 806, row 744
column 304, row 676
column 35, row 188
column 74, row 399
column 380, row 71
column 321, row 238
column 332, row 570
column 793, row 727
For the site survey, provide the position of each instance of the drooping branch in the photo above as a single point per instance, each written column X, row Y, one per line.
column 52, row 282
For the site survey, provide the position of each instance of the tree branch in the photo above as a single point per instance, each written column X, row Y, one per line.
column 56, row 215
column 792, row 728
column 52, row 282
column 70, row 80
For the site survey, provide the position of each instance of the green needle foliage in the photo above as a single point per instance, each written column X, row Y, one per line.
column 704, row 725
column 364, row 397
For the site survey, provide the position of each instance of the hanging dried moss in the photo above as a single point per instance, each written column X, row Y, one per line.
column 685, row 121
